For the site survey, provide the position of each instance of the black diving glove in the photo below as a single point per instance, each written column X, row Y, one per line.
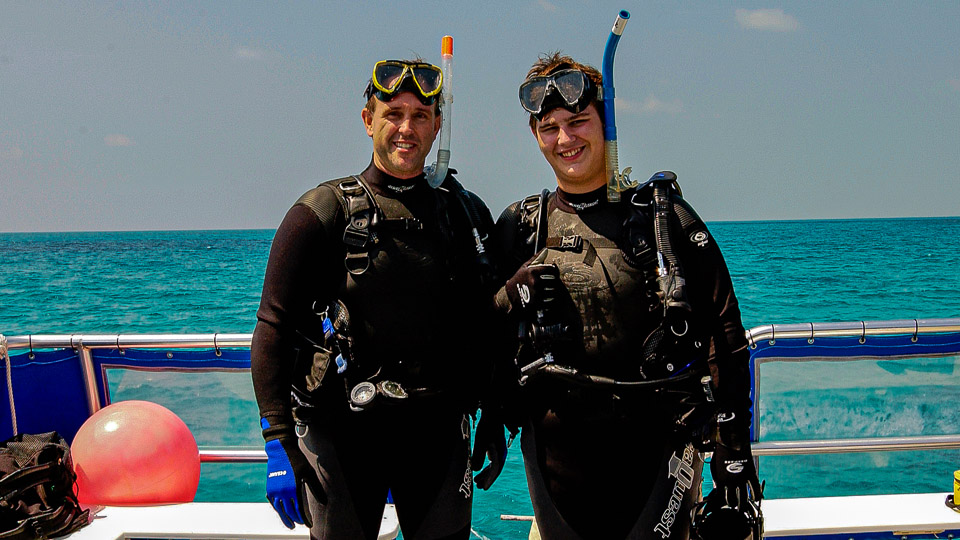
column 289, row 474
column 489, row 442
column 732, row 468
column 534, row 284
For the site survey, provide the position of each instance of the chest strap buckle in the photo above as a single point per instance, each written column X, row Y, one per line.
column 571, row 243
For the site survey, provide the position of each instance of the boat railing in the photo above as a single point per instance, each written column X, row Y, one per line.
column 846, row 342
column 804, row 342
column 93, row 382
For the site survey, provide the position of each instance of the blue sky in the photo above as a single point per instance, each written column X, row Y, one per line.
column 129, row 116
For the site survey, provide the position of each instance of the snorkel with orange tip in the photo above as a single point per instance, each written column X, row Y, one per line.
column 437, row 172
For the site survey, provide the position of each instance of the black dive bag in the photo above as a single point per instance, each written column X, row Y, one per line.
column 37, row 488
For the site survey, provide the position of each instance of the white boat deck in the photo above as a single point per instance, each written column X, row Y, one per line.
column 220, row 521
column 907, row 514
column 903, row 514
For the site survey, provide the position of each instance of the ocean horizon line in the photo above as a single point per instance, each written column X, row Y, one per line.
column 273, row 229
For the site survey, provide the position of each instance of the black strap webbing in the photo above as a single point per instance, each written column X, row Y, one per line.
column 541, row 238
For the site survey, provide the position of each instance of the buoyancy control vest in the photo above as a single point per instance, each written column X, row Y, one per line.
column 38, row 488
column 369, row 224
column 627, row 322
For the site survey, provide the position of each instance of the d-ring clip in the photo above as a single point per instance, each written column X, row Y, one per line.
column 916, row 330
column 773, row 334
column 31, row 355
column 633, row 200
column 810, row 339
column 216, row 348
column 863, row 332
column 686, row 327
column 119, row 349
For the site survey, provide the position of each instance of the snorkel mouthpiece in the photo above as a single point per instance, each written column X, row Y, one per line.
column 437, row 172
column 615, row 180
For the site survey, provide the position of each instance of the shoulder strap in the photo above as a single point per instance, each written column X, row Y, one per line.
column 479, row 228
column 362, row 214
column 541, row 226
column 363, row 217
column 532, row 220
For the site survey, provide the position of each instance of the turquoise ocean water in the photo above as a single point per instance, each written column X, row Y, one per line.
column 783, row 272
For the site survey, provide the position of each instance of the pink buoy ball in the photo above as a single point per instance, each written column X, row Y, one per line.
column 135, row 453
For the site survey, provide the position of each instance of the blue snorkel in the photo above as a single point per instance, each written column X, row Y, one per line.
column 616, row 181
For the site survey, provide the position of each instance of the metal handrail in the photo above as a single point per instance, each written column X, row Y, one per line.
column 128, row 341
column 849, row 446
column 85, row 342
column 769, row 448
column 771, row 332
column 758, row 333
column 232, row 455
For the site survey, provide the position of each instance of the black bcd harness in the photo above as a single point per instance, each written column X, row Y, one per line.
column 670, row 351
column 365, row 222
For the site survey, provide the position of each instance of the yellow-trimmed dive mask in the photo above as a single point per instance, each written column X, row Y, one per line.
column 391, row 77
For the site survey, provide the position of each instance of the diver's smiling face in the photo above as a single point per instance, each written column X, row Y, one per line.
column 403, row 130
column 573, row 145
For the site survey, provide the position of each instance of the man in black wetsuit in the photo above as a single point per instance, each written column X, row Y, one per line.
column 619, row 396
column 368, row 343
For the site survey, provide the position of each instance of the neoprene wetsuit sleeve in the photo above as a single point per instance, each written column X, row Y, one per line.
column 712, row 288
column 492, row 346
column 511, row 254
column 301, row 268
column 513, row 251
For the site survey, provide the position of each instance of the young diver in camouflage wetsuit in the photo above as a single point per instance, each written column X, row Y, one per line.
column 618, row 396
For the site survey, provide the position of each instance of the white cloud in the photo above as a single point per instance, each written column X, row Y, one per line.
column 547, row 6
column 118, row 140
column 248, row 53
column 651, row 105
column 774, row 20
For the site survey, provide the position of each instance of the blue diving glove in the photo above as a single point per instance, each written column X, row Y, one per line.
column 489, row 442
column 289, row 475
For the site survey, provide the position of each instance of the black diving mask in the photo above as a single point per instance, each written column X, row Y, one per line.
column 567, row 88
